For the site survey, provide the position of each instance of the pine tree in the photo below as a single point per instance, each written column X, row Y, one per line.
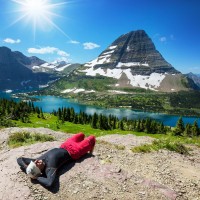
column 138, row 125
column 72, row 114
column 68, row 114
column 41, row 114
column 100, row 122
column 59, row 114
column 195, row 129
column 121, row 125
column 154, row 127
column 188, row 130
column 75, row 121
column 161, row 129
column 114, row 122
column 94, row 120
column 33, row 107
column 179, row 129
column 110, row 124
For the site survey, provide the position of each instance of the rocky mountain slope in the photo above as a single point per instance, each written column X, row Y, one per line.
column 133, row 50
column 58, row 67
column 195, row 78
column 112, row 173
column 133, row 60
column 14, row 71
column 18, row 71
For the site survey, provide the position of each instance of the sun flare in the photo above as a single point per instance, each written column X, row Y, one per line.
column 35, row 8
column 40, row 13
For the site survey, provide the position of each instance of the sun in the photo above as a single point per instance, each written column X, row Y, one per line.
column 36, row 8
column 39, row 13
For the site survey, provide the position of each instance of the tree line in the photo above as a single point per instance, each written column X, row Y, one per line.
column 11, row 110
column 110, row 122
column 189, row 130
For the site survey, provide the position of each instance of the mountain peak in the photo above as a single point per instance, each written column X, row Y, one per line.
column 133, row 50
column 4, row 48
column 134, row 61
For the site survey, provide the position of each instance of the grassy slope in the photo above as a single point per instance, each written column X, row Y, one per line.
column 52, row 123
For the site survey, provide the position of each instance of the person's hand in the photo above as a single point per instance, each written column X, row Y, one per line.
column 40, row 164
column 33, row 177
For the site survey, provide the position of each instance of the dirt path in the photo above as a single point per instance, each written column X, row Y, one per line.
column 112, row 173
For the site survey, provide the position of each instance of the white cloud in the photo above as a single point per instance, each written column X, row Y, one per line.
column 48, row 50
column 67, row 60
column 74, row 42
column 44, row 50
column 90, row 45
column 62, row 53
column 11, row 41
column 163, row 39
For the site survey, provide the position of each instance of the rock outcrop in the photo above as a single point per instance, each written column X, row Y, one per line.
column 111, row 173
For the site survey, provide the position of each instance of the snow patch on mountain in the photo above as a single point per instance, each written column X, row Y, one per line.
column 151, row 81
column 105, row 58
column 35, row 67
column 62, row 68
column 102, row 59
column 48, row 65
column 98, row 61
column 113, row 47
column 118, row 92
column 76, row 90
column 8, row 91
column 56, row 66
column 131, row 64
column 148, row 82
column 109, row 52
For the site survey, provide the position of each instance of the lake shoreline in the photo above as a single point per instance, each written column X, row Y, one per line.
column 49, row 103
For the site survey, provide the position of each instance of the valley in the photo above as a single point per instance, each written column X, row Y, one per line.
column 101, row 91
column 130, row 73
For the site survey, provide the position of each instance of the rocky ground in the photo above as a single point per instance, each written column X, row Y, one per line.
column 112, row 173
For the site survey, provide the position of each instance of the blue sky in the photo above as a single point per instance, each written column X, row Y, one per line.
column 79, row 30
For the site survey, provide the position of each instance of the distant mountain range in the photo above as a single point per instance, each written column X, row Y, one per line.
column 18, row 71
column 195, row 78
column 131, row 61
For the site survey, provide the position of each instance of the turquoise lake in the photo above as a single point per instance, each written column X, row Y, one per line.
column 50, row 103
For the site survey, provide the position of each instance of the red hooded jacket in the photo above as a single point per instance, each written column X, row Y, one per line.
column 78, row 145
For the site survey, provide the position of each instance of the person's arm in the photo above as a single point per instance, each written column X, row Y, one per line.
column 24, row 162
column 51, row 174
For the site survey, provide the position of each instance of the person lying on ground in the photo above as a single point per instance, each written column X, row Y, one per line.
column 45, row 167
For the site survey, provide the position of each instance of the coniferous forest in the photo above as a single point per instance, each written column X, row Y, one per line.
column 11, row 111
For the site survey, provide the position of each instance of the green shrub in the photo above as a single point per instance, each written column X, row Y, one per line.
column 142, row 149
column 162, row 144
column 26, row 138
